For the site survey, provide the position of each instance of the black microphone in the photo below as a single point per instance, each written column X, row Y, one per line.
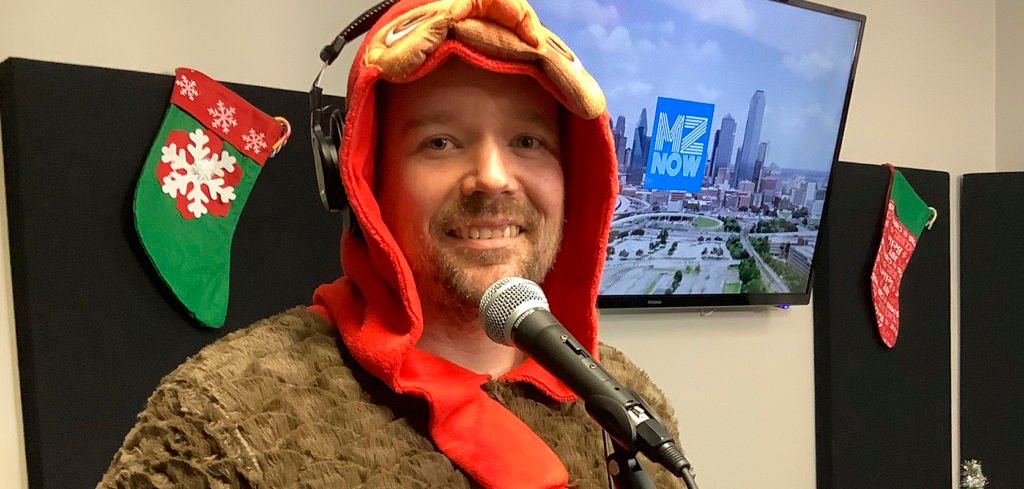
column 515, row 313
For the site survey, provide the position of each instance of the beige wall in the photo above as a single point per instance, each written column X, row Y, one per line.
column 1009, row 85
column 12, row 454
column 742, row 382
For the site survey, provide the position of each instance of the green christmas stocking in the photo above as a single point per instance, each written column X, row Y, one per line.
column 194, row 184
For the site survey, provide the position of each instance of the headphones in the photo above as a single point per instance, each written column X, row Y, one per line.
column 327, row 122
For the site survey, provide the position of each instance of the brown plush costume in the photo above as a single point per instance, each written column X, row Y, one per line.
column 282, row 405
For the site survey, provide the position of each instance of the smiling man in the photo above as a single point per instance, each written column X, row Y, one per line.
column 476, row 157
column 476, row 148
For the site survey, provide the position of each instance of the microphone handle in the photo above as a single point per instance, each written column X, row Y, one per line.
column 625, row 416
column 544, row 338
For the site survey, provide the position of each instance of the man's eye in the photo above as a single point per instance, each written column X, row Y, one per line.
column 439, row 143
column 527, row 142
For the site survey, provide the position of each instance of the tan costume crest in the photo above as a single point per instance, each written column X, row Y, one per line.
column 504, row 29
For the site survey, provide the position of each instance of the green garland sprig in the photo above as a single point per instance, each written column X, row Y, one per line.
column 971, row 476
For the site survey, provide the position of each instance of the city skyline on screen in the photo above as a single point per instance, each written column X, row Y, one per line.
column 725, row 118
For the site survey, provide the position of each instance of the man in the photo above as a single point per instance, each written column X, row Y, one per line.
column 477, row 155
column 476, row 147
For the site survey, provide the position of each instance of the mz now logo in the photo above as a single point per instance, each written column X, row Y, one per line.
column 678, row 152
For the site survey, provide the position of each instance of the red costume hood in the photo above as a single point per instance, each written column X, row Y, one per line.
column 376, row 305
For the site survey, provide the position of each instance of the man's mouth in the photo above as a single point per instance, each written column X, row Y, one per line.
column 486, row 232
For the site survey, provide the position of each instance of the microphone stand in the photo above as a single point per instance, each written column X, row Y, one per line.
column 626, row 471
column 631, row 429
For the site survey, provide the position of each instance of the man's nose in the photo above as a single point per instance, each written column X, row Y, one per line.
column 492, row 170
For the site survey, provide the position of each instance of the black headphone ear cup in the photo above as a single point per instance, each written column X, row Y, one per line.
column 337, row 134
column 337, row 117
column 326, row 132
column 337, row 131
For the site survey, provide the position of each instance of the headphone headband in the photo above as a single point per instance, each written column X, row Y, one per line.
column 326, row 122
column 356, row 28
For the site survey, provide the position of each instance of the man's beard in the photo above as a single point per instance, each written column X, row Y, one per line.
column 451, row 279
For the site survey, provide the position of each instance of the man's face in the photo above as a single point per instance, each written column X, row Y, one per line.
column 470, row 180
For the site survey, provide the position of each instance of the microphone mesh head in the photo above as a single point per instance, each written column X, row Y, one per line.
column 504, row 303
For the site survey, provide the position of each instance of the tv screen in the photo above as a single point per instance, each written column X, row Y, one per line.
column 727, row 119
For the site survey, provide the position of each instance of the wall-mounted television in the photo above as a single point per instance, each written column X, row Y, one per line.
column 727, row 118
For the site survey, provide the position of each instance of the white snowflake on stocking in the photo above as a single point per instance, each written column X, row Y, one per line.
column 254, row 141
column 223, row 117
column 206, row 170
column 186, row 87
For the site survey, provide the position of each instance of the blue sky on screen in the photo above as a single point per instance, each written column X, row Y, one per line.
column 719, row 52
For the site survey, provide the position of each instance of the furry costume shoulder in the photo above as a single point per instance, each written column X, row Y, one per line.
column 281, row 404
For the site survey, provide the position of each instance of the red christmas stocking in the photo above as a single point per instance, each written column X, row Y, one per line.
column 906, row 216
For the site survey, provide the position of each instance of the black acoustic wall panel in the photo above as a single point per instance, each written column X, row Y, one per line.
column 992, row 325
column 96, row 328
column 882, row 416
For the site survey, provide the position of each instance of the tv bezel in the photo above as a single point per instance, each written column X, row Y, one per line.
column 710, row 301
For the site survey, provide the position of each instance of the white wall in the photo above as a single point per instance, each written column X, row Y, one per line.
column 742, row 382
